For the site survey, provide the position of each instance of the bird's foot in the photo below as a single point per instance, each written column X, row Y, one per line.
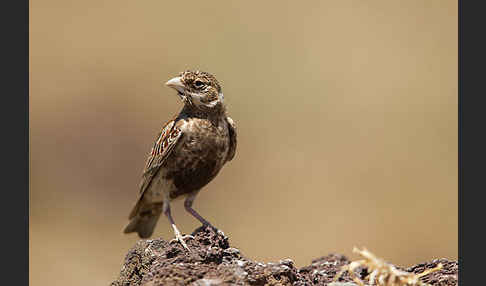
column 218, row 231
column 205, row 226
column 180, row 238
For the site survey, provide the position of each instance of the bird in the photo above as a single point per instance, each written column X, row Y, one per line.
column 187, row 154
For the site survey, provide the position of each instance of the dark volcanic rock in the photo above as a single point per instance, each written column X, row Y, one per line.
column 445, row 277
column 322, row 270
column 213, row 262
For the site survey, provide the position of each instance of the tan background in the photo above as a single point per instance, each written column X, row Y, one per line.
column 346, row 113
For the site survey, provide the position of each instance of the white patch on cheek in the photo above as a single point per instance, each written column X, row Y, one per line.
column 196, row 98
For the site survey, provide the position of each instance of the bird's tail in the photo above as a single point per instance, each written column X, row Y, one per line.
column 144, row 222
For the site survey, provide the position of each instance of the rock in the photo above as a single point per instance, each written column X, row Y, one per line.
column 213, row 262
column 445, row 277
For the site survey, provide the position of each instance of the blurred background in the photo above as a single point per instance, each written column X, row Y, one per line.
column 346, row 115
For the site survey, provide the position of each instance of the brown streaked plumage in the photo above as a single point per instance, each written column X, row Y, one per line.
column 188, row 153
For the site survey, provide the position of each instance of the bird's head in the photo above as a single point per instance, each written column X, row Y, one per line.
column 198, row 89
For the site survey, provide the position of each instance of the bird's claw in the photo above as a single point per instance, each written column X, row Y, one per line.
column 180, row 238
column 220, row 232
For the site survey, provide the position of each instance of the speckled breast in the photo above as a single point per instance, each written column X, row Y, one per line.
column 199, row 156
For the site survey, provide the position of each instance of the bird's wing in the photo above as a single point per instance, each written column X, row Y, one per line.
column 232, row 135
column 164, row 144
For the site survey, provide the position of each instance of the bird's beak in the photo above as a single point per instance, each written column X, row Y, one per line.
column 176, row 84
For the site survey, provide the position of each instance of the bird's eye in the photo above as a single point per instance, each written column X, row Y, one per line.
column 198, row 83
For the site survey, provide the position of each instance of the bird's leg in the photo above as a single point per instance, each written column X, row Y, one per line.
column 178, row 236
column 188, row 206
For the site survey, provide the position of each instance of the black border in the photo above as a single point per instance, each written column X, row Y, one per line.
column 471, row 142
column 15, row 119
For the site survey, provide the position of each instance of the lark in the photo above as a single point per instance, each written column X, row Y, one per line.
column 188, row 153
